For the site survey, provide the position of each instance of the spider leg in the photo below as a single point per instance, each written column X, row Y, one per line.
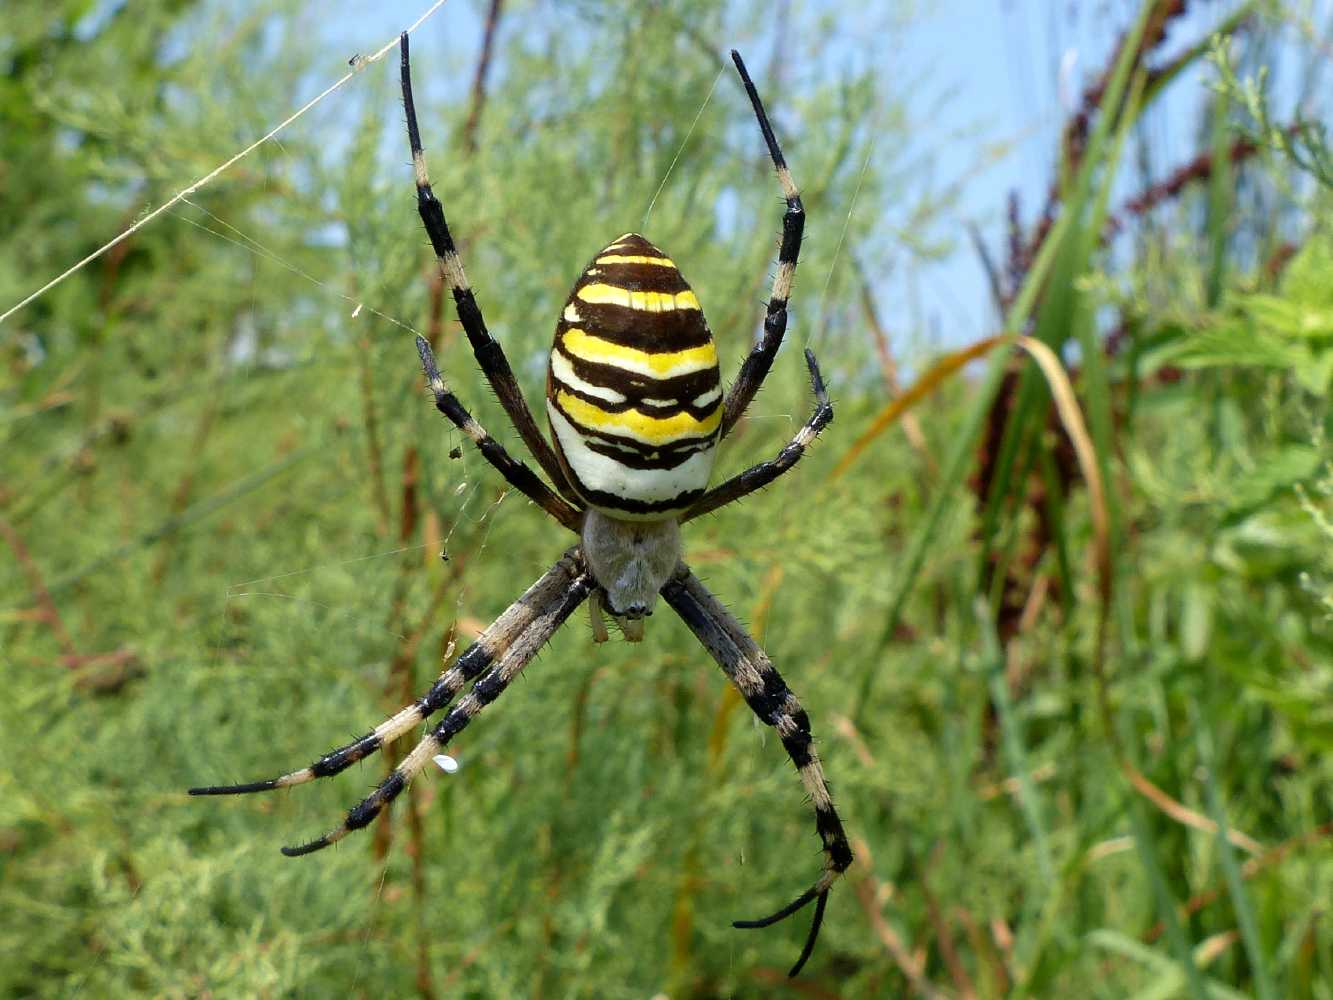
column 758, row 476
column 499, row 637
column 772, row 701
column 489, row 686
column 488, row 352
column 515, row 472
column 756, row 365
column 599, row 632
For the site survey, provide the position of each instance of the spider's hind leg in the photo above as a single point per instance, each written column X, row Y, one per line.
column 758, row 476
column 550, row 612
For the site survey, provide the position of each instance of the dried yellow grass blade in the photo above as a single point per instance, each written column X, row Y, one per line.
column 923, row 387
column 1066, row 405
column 1071, row 416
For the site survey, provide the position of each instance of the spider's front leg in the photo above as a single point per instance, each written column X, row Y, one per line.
column 772, row 701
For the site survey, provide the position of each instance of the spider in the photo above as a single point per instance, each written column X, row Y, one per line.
column 636, row 410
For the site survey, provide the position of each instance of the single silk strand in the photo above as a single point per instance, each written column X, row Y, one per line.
column 358, row 64
column 246, row 242
column 842, row 237
column 643, row 227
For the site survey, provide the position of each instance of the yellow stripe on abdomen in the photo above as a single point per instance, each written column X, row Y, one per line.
column 668, row 364
column 632, row 423
column 619, row 258
column 599, row 293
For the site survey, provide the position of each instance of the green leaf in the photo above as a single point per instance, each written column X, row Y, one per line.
column 1233, row 343
column 1317, row 372
column 1308, row 279
column 1290, row 316
column 1196, row 623
column 1172, row 979
column 1276, row 474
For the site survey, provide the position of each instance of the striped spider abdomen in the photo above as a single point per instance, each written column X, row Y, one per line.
column 633, row 392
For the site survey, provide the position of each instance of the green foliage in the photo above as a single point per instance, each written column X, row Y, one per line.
column 225, row 499
column 1303, row 142
column 1290, row 330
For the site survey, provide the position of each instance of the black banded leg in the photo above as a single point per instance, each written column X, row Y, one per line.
column 515, row 472
column 760, row 360
column 758, row 476
column 772, row 701
column 488, row 687
column 497, row 638
column 488, row 352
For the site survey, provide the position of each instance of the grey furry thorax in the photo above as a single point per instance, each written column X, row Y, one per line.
column 630, row 560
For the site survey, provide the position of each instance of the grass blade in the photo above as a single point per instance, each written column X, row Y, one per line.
column 1240, row 899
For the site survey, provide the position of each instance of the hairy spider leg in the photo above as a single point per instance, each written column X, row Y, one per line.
column 516, row 473
column 758, row 476
column 498, row 638
column 755, row 368
column 488, row 352
column 768, row 696
column 487, row 688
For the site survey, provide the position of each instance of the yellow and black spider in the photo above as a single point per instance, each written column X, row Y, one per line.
column 636, row 412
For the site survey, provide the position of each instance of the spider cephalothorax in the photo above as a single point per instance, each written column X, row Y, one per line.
column 636, row 411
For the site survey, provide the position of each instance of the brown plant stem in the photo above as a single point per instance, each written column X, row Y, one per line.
column 943, row 935
column 1248, row 870
column 180, row 497
column 45, row 604
column 868, row 893
column 888, row 368
column 400, row 689
column 374, row 449
column 479, row 77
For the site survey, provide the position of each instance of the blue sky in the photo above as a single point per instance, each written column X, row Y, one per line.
column 1042, row 53
column 1007, row 71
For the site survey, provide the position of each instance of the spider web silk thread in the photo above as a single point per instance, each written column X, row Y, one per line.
column 643, row 225
column 249, row 243
column 359, row 63
column 842, row 237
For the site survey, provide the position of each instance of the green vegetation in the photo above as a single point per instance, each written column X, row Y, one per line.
column 1080, row 737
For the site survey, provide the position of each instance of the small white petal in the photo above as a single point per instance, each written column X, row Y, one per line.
column 447, row 764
